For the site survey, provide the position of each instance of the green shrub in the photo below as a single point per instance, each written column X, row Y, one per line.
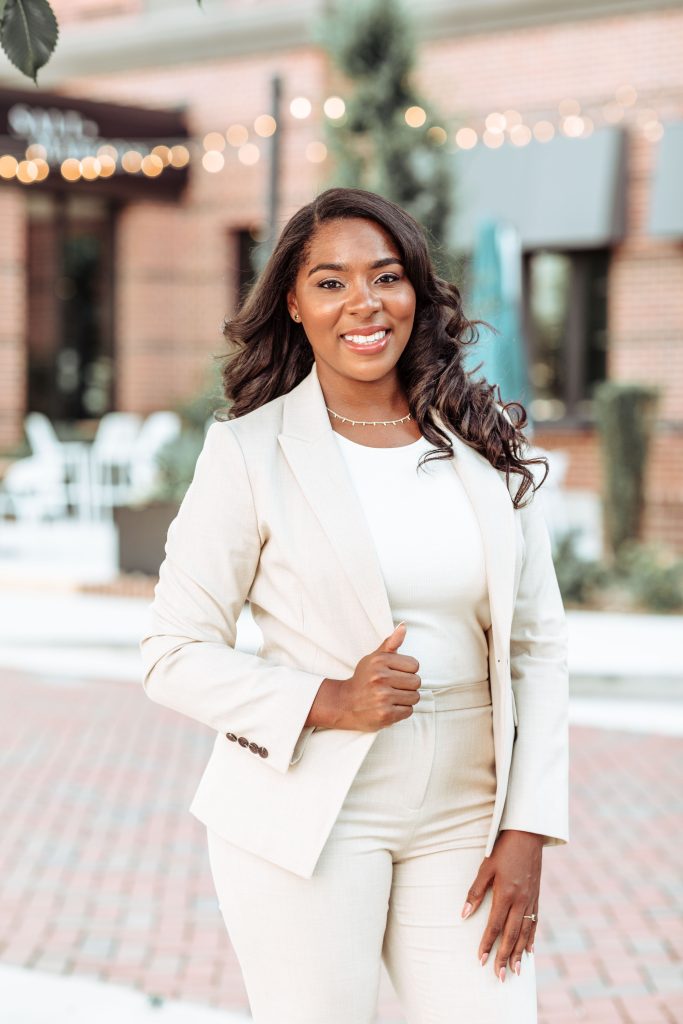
column 646, row 577
column 578, row 578
column 625, row 416
column 653, row 574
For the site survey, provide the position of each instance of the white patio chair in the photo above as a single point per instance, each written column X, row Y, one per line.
column 34, row 489
column 111, row 456
column 158, row 430
column 71, row 456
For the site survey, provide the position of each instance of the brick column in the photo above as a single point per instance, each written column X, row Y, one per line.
column 13, row 319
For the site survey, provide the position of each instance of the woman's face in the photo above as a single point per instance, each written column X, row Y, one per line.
column 355, row 302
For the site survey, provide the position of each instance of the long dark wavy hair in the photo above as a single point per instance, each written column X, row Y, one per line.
column 269, row 353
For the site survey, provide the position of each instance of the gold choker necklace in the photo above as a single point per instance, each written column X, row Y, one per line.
column 369, row 423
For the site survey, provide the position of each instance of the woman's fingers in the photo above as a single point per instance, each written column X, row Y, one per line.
column 498, row 914
column 477, row 890
column 523, row 942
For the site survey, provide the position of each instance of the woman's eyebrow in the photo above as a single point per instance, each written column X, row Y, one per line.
column 387, row 261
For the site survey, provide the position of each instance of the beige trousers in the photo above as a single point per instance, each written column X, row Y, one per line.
column 389, row 885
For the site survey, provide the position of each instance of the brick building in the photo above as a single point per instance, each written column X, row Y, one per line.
column 113, row 290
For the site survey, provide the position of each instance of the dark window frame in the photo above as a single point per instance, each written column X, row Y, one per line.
column 576, row 349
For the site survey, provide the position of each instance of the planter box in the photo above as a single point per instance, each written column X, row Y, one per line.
column 142, row 533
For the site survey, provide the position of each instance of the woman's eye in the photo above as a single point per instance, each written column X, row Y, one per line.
column 381, row 278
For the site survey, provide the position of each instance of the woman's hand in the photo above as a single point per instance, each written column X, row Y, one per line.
column 514, row 870
column 382, row 690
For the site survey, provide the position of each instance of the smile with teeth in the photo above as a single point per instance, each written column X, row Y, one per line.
column 365, row 339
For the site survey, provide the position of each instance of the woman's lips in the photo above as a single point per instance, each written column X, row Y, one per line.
column 368, row 347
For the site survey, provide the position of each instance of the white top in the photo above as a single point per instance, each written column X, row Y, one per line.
column 431, row 555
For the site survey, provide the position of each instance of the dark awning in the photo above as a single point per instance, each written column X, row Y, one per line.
column 565, row 193
column 666, row 198
column 71, row 126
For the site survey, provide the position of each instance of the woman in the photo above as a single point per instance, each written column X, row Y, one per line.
column 376, row 790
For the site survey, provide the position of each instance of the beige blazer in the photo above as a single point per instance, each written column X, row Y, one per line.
column 271, row 516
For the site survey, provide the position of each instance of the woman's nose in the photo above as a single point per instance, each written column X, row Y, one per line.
column 363, row 297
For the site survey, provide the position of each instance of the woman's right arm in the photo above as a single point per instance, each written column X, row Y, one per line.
column 188, row 647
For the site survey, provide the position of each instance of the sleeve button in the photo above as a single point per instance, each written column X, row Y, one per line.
column 243, row 741
column 231, row 736
column 263, row 752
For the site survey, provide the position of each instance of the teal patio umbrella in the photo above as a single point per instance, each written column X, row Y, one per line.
column 497, row 297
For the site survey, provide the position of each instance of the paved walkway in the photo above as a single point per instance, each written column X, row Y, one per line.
column 104, row 874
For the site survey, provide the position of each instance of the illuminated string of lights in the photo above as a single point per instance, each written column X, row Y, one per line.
column 492, row 129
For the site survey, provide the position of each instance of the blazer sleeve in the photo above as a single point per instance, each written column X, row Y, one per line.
column 537, row 796
column 188, row 647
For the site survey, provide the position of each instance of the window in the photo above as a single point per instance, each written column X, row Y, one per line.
column 70, row 305
column 565, row 313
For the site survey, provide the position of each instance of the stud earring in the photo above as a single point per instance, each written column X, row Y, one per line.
column 297, row 317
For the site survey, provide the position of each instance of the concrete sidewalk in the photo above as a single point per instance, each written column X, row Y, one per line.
column 602, row 644
column 625, row 670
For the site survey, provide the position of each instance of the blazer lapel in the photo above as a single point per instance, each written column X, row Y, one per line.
column 309, row 445
column 492, row 504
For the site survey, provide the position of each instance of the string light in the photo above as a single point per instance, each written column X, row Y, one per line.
column 90, row 168
column 8, row 167
column 520, row 134
column 131, row 161
column 415, row 117
column 214, row 140
column 71, row 169
column 27, row 172
column 180, row 156
column 152, row 165
column 265, row 125
column 466, row 138
column 300, row 107
column 493, row 129
column 334, row 107
column 107, row 165
column 213, row 161
column 437, row 135
column 495, row 123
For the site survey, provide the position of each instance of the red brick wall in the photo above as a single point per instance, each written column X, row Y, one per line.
column 12, row 316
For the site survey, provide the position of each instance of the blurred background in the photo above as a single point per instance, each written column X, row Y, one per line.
column 150, row 152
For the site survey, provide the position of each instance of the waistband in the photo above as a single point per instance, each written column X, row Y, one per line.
column 449, row 698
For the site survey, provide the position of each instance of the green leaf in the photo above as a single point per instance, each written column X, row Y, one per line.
column 2, row 8
column 28, row 34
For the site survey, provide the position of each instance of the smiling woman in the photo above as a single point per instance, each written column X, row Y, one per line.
column 363, row 804
column 346, row 266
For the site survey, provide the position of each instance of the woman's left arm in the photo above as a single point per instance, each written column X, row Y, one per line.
column 536, row 807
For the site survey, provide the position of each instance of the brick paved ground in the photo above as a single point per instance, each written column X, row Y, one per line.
column 104, row 872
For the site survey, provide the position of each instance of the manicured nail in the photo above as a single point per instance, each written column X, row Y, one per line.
column 532, row 948
column 501, row 974
column 484, row 959
column 518, row 966
column 467, row 910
